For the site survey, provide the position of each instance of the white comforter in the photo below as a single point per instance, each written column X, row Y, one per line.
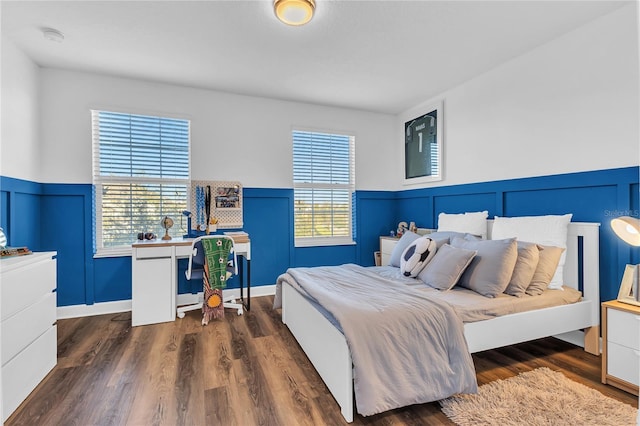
column 406, row 348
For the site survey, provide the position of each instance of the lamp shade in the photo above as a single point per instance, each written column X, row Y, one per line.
column 294, row 12
column 628, row 229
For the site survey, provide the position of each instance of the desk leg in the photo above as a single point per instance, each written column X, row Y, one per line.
column 246, row 304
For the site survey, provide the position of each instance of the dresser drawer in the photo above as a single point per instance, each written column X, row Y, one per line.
column 27, row 325
column 623, row 328
column 623, row 363
column 23, row 373
column 21, row 286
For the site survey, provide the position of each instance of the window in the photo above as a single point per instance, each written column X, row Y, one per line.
column 324, row 188
column 140, row 174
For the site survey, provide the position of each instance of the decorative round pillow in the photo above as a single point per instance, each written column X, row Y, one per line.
column 214, row 300
column 416, row 256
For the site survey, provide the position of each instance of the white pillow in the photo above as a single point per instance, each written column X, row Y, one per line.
column 474, row 223
column 549, row 230
column 416, row 256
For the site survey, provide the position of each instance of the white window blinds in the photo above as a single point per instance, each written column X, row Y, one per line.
column 324, row 184
column 140, row 173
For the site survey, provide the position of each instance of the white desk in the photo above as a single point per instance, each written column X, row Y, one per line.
column 154, row 278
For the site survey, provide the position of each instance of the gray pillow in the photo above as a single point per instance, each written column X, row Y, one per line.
column 528, row 255
column 491, row 269
column 407, row 238
column 446, row 267
column 444, row 237
column 547, row 265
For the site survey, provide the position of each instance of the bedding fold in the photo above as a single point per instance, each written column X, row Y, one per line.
column 406, row 348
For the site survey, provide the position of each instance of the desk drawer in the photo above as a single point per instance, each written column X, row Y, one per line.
column 153, row 291
column 623, row 363
column 153, row 252
column 623, row 328
column 183, row 251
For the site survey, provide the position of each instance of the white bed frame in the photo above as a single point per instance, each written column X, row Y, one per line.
column 328, row 351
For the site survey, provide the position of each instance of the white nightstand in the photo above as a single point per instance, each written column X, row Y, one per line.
column 621, row 345
column 386, row 247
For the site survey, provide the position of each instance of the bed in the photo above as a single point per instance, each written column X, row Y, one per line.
column 326, row 347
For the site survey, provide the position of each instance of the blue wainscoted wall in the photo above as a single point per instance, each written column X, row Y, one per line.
column 66, row 226
column 377, row 213
column 596, row 196
column 20, row 212
column 60, row 217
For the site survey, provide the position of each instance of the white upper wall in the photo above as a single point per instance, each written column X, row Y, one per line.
column 233, row 137
column 19, row 141
column 570, row 105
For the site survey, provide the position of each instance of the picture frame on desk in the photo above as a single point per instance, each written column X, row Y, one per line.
column 629, row 286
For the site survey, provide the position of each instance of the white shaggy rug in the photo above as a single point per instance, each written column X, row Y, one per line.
column 538, row 397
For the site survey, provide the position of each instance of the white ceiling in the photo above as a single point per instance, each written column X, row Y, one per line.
column 384, row 56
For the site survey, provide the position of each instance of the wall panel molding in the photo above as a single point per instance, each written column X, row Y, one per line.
column 593, row 196
column 59, row 217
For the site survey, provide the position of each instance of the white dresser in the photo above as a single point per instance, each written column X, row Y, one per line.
column 621, row 345
column 28, row 330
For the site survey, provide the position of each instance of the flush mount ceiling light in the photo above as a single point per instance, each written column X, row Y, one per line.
column 294, row 12
column 52, row 34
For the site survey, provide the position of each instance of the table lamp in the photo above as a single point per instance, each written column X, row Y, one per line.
column 628, row 230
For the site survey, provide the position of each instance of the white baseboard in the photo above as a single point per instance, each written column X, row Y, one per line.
column 76, row 311
column 263, row 290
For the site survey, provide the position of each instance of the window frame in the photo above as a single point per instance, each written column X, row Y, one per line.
column 99, row 181
column 319, row 241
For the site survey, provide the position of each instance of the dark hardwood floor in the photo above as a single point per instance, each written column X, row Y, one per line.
column 244, row 370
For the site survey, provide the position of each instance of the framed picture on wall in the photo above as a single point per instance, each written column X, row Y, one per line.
column 423, row 146
column 228, row 197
